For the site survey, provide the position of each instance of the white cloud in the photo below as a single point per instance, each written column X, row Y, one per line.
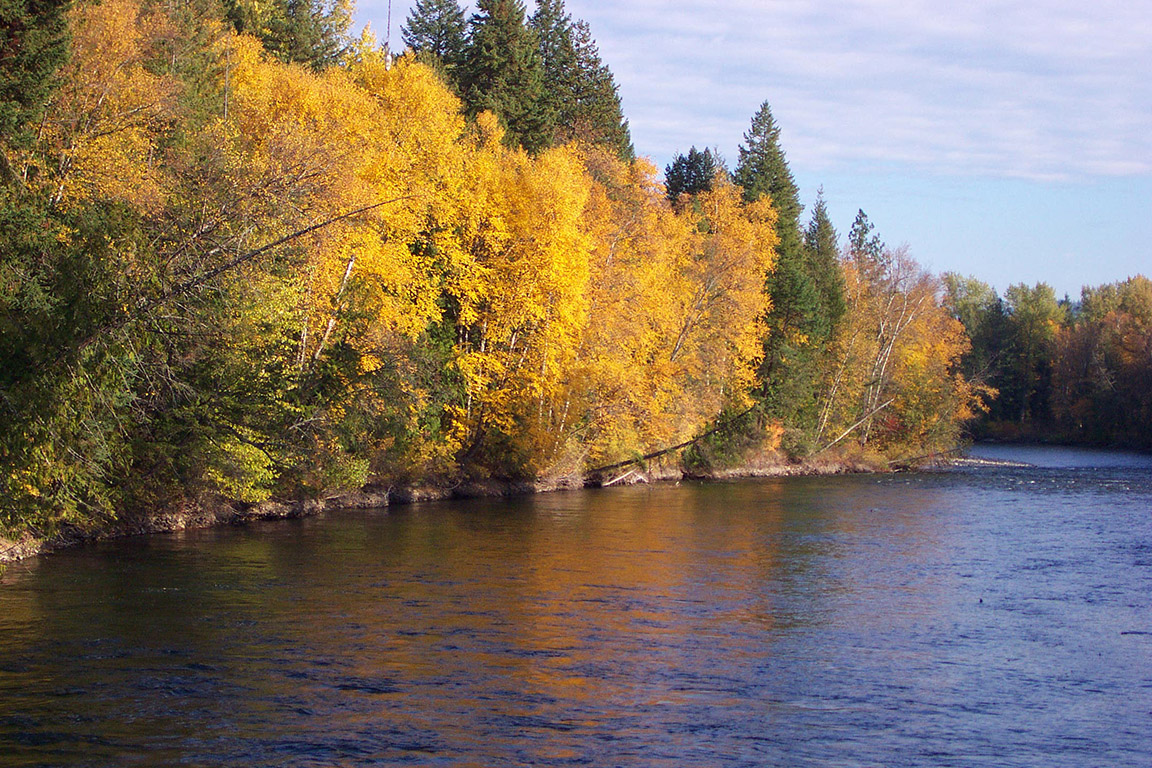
column 1054, row 89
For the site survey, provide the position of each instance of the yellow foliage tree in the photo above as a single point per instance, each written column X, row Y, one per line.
column 897, row 386
column 100, row 137
column 521, row 300
column 676, row 314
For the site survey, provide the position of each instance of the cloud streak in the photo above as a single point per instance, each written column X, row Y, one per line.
column 1034, row 90
column 1031, row 90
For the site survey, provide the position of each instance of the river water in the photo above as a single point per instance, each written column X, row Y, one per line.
column 984, row 616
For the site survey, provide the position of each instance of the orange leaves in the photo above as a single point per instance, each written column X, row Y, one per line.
column 513, row 311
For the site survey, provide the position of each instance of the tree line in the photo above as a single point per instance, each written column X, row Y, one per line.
column 250, row 256
column 1067, row 371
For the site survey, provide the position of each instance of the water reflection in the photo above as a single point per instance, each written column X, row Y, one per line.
column 948, row 619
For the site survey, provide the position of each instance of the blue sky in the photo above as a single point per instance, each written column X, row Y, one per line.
column 1008, row 140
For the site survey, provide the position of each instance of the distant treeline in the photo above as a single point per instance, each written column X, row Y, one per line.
column 247, row 256
column 1071, row 371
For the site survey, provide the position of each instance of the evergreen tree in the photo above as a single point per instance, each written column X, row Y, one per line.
column 553, row 28
column 502, row 72
column 436, row 31
column 822, row 251
column 310, row 32
column 797, row 323
column 864, row 246
column 763, row 170
column 33, row 46
column 690, row 174
column 582, row 101
column 599, row 116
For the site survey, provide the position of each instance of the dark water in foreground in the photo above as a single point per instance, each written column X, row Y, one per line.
column 982, row 617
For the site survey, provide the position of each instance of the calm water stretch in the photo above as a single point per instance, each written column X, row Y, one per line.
column 985, row 616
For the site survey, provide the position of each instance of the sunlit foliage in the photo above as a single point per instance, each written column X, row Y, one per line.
column 235, row 270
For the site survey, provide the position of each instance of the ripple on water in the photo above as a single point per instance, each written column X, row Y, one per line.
column 986, row 616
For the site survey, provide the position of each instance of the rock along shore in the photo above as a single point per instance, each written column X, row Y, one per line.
column 373, row 497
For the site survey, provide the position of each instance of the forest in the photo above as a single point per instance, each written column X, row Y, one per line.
column 1077, row 372
column 249, row 255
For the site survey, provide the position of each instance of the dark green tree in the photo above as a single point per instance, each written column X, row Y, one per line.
column 33, row 46
column 865, row 247
column 822, row 251
column 310, row 32
column 581, row 100
column 436, row 31
column 502, row 72
column 690, row 174
column 763, row 170
column 599, row 115
column 806, row 304
column 553, row 28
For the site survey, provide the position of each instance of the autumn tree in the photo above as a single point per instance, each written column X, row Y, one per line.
column 1102, row 367
column 981, row 311
column 518, row 318
column 1034, row 317
column 897, row 386
column 675, row 314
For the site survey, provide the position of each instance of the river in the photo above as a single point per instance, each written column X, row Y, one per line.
column 993, row 615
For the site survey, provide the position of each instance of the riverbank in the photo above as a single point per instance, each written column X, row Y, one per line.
column 372, row 497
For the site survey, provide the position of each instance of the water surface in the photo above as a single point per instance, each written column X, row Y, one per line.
column 993, row 616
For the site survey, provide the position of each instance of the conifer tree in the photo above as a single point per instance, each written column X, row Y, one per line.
column 599, row 116
column 786, row 375
column 690, row 174
column 763, row 170
column 33, row 46
column 864, row 246
column 436, row 31
column 311, row 32
column 502, row 72
column 553, row 28
column 582, row 101
column 822, row 251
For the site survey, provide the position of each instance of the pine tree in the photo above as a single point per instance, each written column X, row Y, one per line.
column 310, row 32
column 33, row 46
column 553, row 28
column 786, row 385
column 502, row 73
column 581, row 100
column 763, row 170
column 690, row 174
column 822, row 251
column 599, row 115
column 436, row 31
column 864, row 246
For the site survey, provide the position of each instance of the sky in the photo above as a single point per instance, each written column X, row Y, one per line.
column 1007, row 140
